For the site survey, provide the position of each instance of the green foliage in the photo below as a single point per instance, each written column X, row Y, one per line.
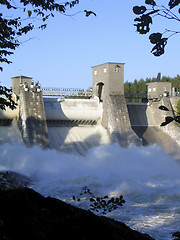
column 178, row 108
column 148, row 13
column 101, row 205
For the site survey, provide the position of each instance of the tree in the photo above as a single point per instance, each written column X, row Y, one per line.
column 178, row 108
column 139, row 86
column 17, row 18
column 6, row 100
column 145, row 19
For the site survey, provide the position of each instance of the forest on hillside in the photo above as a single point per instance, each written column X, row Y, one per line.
column 139, row 86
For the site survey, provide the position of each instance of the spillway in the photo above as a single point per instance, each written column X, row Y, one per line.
column 145, row 122
column 78, row 139
column 10, row 133
column 72, row 125
column 75, row 125
column 76, row 110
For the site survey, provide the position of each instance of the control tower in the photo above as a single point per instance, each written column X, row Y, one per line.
column 108, row 79
column 108, row 86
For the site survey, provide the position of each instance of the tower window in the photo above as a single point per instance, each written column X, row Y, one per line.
column 105, row 70
column 95, row 72
column 117, row 68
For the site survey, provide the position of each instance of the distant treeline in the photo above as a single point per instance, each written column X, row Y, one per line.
column 139, row 86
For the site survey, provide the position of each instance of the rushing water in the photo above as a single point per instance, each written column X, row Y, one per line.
column 148, row 179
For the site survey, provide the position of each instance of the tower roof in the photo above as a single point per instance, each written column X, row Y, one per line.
column 22, row 77
column 107, row 63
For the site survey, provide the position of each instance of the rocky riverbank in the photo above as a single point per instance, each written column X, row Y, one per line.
column 26, row 214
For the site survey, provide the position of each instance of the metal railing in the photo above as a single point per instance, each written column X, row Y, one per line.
column 136, row 95
column 78, row 92
column 65, row 92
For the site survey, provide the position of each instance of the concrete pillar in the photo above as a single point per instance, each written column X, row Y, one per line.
column 108, row 85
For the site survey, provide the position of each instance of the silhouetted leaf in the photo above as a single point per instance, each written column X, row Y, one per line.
column 158, row 49
column 167, row 121
column 173, row 3
column 155, row 37
column 143, row 26
column 163, row 108
column 139, row 10
column 92, row 199
column 151, row 2
column 177, row 119
column 163, row 124
column 29, row 13
column 88, row 13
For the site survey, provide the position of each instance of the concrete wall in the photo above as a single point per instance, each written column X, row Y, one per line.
column 32, row 119
column 73, row 109
column 16, row 81
column 146, row 120
column 141, row 114
column 112, row 76
column 116, row 121
column 174, row 101
column 155, row 89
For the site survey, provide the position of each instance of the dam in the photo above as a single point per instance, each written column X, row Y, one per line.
column 72, row 120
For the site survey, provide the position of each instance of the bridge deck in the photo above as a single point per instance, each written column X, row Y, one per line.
column 65, row 92
column 78, row 92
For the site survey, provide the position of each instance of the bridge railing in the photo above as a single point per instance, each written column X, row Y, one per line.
column 136, row 95
column 78, row 92
column 65, row 92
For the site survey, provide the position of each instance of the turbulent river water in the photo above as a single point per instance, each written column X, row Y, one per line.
column 146, row 177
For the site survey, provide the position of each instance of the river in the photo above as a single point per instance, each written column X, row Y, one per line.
column 147, row 177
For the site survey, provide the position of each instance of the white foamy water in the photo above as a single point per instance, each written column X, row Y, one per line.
column 148, row 179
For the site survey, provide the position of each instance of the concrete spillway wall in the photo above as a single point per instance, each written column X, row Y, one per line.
column 125, row 123
column 141, row 115
column 145, row 121
column 32, row 119
column 78, row 110
column 116, row 120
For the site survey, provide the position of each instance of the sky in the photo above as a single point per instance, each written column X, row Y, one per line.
column 63, row 54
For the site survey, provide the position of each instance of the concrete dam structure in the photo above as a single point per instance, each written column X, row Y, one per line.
column 75, row 125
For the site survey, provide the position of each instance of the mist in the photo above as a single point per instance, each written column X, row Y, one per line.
column 146, row 177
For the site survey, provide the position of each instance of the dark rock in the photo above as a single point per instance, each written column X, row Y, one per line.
column 25, row 214
column 176, row 235
column 13, row 180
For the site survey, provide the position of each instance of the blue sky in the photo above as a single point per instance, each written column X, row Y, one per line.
column 63, row 54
